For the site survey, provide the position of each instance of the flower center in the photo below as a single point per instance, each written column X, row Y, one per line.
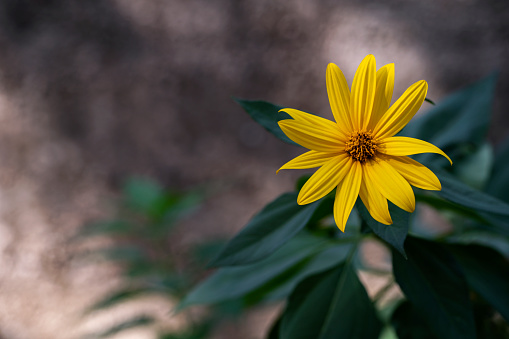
column 361, row 146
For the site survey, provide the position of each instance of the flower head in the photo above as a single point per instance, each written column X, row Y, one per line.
column 359, row 154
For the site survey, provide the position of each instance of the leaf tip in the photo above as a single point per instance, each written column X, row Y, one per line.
column 177, row 309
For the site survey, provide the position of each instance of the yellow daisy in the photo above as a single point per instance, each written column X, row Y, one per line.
column 359, row 153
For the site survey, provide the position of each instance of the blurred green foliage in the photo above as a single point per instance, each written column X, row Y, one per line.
column 455, row 279
column 141, row 243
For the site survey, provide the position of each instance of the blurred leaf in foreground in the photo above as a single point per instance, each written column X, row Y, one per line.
column 141, row 231
column 332, row 304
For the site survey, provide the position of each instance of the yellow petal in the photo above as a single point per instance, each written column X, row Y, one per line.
column 346, row 194
column 415, row 173
column 402, row 111
column 311, row 137
column 324, row 180
column 374, row 201
column 315, row 121
column 383, row 94
column 400, row 146
column 390, row 183
column 363, row 93
column 309, row 159
column 339, row 97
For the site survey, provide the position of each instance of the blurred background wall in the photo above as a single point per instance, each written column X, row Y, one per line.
column 94, row 91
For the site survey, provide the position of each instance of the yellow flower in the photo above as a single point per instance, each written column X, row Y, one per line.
column 359, row 153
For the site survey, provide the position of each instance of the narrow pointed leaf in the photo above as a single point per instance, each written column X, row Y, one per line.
column 498, row 183
column 267, row 115
column 459, row 193
column 495, row 224
column 432, row 281
column 277, row 223
column 408, row 322
column 444, row 205
column 281, row 286
column 483, row 237
column 498, row 224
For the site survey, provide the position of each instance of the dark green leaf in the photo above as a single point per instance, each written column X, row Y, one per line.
column 234, row 282
column 325, row 209
column 267, row 115
column 487, row 273
column 301, row 181
column 498, row 184
column 274, row 330
column 283, row 284
column 232, row 308
column 332, row 304
column 484, row 238
column 209, row 249
column 445, row 205
column 459, row 193
column 475, row 168
column 498, row 224
column 494, row 223
column 394, row 234
column 462, row 117
column 277, row 223
column 408, row 322
column 489, row 324
column 433, row 282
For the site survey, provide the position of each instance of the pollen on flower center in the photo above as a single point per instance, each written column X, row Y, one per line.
column 361, row 146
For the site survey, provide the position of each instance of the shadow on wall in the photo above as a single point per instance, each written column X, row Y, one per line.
column 145, row 98
column 145, row 88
